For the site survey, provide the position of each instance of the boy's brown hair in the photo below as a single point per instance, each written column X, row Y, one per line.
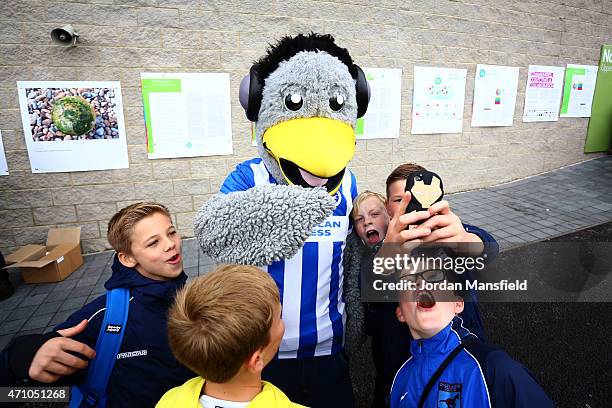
column 402, row 172
column 121, row 226
column 364, row 195
column 219, row 320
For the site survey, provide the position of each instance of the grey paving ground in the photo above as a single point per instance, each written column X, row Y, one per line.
column 517, row 213
column 543, row 206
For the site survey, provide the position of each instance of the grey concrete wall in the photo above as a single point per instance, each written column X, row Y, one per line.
column 121, row 38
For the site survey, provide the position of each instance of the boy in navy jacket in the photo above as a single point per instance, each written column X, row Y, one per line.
column 480, row 375
column 149, row 263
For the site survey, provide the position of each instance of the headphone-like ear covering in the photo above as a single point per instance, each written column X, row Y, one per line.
column 362, row 93
column 251, row 89
column 250, row 94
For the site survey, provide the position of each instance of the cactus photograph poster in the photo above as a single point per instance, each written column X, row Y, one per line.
column 73, row 125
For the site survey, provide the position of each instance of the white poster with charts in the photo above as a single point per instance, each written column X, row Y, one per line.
column 578, row 91
column 382, row 120
column 438, row 100
column 73, row 125
column 494, row 95
column 187, row 115
column 543, row 93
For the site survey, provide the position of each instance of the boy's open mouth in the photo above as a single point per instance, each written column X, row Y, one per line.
column 372, row 237
column 175, row 259
column 425, row 299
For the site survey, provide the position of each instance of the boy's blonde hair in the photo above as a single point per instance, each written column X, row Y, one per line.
column 219, row 320
column 362, row 197
column 121, row 226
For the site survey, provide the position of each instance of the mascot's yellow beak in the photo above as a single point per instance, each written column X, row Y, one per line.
column 312, row 152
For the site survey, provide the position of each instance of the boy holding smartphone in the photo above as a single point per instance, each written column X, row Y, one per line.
column 436, row 224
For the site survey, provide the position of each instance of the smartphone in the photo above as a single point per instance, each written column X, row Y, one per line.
column 426, row 188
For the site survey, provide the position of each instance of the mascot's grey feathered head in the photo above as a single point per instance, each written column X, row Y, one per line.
column 305, row 95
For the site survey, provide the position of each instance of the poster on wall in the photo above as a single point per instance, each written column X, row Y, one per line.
column 494, row 95
column 187, row 115
column 599, row 132
column 578, row 91
column 382, row 120
column 438, row 100
column 73, row 125
column 543, row 93
column 3, row 163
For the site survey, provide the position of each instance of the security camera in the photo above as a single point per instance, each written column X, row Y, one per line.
column 64, row 35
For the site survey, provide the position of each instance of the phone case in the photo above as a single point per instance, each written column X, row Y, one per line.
column 426, row 188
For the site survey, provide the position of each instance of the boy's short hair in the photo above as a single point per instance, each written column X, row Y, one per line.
column 121, row 226
column 362, row 197
column 402, row 172
column 219, row 320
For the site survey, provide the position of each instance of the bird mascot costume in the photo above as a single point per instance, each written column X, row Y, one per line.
column 287, row 211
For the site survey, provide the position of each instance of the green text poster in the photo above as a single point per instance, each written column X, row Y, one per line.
column 599, row 133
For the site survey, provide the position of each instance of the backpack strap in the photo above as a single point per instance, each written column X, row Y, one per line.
column 434, row 378
column 93, row 392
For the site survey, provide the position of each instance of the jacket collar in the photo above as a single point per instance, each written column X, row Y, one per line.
column 130, row 278
column 188, row 395
column 443, row 342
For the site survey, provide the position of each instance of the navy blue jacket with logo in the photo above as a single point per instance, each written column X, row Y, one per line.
column 481, row 375
column 145, row 367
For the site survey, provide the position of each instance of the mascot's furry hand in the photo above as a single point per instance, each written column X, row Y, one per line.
column 260, row 225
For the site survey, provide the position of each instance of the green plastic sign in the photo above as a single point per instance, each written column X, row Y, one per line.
column 599, row 133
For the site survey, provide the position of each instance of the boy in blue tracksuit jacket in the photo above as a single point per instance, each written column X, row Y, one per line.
column 480, row 375
column 389, row 336
column 144, row 368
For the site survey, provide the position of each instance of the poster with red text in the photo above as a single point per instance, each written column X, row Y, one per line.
column 543, row 93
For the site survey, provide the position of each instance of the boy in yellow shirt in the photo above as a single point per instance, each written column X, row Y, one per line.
column 226, row 327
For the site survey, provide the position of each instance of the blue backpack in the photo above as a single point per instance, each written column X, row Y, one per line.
column 93, row 392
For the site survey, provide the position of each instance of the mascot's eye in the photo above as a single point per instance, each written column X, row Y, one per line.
column 294, row 102
column 336, row 102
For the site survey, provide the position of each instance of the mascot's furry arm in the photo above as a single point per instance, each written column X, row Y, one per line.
column 261, row 225
column 355, row 330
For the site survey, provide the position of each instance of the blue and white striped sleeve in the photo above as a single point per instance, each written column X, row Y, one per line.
column 241, row 179
column 354, row 192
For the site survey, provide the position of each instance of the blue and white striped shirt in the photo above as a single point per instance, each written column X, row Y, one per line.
column 310, row 283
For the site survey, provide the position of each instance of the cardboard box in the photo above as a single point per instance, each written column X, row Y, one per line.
column 53, row 262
